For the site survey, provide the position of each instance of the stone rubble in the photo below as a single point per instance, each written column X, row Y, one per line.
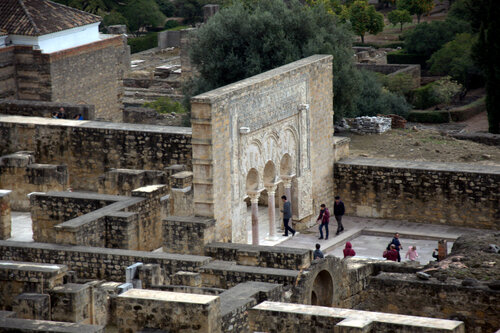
column 369, row 124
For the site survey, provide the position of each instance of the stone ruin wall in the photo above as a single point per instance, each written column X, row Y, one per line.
column 88, row 74
column 436, row 193
column 292, row 115
column 477, row 306
column 89, row 149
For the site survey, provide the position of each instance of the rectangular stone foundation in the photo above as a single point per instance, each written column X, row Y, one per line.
column 287, row 317
column 137, row 309
column 28, row 326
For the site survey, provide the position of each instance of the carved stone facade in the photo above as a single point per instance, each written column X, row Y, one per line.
column 253, row 135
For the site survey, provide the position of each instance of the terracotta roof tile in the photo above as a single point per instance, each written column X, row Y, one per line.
column 40, row 17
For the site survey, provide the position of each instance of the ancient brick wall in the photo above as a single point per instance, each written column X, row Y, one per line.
column 187, row 234
column 98, row 263
column 32, row 74
column 19, row 174
column 91, row 148
column 91, row 74
column 476, row 306
column 453, row 194
column 262, row 256
column 8, row 86
column 286, row 317
column 137, row 309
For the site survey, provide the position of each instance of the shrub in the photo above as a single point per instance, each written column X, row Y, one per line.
column 401, row 57
column 171, row 24
column 166, row 105
column 143, row 43
column 427, row 38
column 441, row 91
column 373, row 99
column 429, row 116
column 400, row 84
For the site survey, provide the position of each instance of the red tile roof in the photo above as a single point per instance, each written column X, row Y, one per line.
column 40, row 17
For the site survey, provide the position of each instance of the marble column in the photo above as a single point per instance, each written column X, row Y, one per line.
column 254, row 199
column 271, row 210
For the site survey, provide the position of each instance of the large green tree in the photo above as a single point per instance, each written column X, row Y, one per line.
column 487, row 56
column 243, row 40
column 365, row 19
column 416, row 7
column 142, row 13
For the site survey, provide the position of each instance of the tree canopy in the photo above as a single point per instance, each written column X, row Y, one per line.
column 400, row 17
column 243, row 40
column 416, row 7
column 364, row 18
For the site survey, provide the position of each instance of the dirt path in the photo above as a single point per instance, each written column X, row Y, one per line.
column 425, row 144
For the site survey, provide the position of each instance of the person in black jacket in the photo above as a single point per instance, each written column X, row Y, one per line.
column 338, row 211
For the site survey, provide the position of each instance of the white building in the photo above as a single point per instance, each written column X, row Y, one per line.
column 46, row 25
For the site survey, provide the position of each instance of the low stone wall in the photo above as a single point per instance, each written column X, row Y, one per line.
column 137, row 309
column 413, row 71
column 340, row 147
column 132, row 223
column 19, row 173
column 287, row 317
column 226, row 274
column 45, row 109
column 90, row 148
column 187, row 234
column 43, row 326
column 235, row 303
column 5, row 218
column 478, row 306
column 123, row 181
column 169, row 39
column 484, row 138
column 427, row 192
column 262, row 256
column 17, row 277
column 98, row 263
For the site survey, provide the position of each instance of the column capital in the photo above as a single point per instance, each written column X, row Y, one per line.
column 254, row 195
column 287, row 180
column 271, row 187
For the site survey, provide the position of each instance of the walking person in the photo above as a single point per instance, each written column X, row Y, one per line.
column 318, row 254
column 348, row 251
column 397, row 245
column 412, row 253
column 323, row 219
column 338, row 211
column 287, row 215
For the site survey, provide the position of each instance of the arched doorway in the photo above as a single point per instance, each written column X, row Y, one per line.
column 322, row 290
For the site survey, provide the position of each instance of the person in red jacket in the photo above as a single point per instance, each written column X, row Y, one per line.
column 324, row 219
column 348, row 251
column 391, row 254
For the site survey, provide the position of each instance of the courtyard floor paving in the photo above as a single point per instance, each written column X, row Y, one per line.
column 370, row 237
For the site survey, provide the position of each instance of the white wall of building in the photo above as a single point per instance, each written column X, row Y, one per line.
column 60, row 40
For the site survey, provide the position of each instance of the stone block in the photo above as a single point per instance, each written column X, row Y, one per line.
column 188, row 234
column 32, row 306
column 137, row 309
column 71, row 303
column 190, row 279
column 45, row 326
column 181, row 179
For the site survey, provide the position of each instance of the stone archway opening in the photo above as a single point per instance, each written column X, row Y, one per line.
column 269, row 173
column 322, row 290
